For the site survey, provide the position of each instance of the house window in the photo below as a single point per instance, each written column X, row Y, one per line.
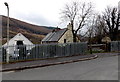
column 19, row 42
column 64, row 40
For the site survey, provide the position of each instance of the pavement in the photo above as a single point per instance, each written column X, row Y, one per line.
column 53, row 61
column 45, row 62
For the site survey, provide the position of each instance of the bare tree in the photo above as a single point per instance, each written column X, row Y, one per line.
column 78, row 15
column 100, row 28
column 91, row 31
column 112, row 19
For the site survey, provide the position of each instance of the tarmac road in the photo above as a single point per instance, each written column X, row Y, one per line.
column 105, row 68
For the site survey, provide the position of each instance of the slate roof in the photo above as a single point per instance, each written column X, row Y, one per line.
column 54, row 35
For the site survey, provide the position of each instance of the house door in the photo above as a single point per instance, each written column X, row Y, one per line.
column 21, row 49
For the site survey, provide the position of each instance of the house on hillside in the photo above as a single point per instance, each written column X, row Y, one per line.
column 15, row 42
column 60, row 36
column 106, row 39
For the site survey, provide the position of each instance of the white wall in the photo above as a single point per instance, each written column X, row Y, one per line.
column 12, row 44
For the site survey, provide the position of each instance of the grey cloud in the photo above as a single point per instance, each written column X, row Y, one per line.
column 36, row 19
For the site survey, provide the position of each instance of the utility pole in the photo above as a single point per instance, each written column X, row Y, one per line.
column 7, row 57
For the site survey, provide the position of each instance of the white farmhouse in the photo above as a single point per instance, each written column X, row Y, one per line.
column 60, row 36
column 18, row 40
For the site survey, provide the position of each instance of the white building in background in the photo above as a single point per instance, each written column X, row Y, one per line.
column 17, row 40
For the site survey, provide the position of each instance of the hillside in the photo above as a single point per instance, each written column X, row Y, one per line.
column 34, row 33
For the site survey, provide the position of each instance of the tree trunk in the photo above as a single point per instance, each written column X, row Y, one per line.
column 74, row 37
column 73, row 32
column 90, row 45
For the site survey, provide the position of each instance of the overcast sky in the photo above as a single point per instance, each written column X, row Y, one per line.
column 45, row 12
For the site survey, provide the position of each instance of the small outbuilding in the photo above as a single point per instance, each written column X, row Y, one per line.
column 17, row 40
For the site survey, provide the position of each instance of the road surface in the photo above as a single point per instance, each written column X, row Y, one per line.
column 105, row 68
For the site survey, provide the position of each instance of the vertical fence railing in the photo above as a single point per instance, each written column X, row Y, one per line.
column 115, row 46
column 41, row 51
